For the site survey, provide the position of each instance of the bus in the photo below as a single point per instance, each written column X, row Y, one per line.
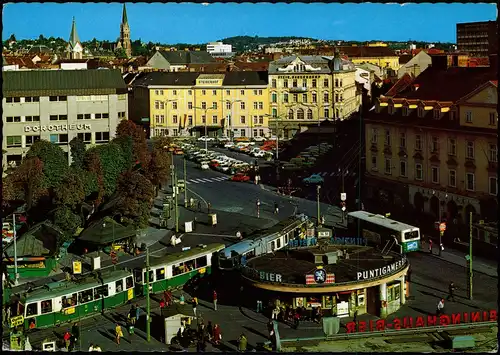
column 383, row 231
column 176, row 269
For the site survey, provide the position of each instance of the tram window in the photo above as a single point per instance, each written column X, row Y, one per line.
column 286, row 238
column 86, row 296
column 201, row 261
column 278, row 242
column 151, row 277
column 32, row 309
column 119, row 286
column 101, row 291
column 160, row 274
column 69, row 301
column 189, row 265
column 138, row 276
column 179, row 269
column 129, row 282
column 46, row 306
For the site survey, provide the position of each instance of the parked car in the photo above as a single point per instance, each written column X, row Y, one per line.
column 313, row 179
column 204, row 166
column 259, row 139
column 260, row 154
column 240, row 177
column 206, row 139
column 178, row 151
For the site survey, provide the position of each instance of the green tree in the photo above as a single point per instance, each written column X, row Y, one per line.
column 71, row 191
column 28, row 179
column 77, row 152
column 68, row 221
column 127, row 145
column 140, row 146
column 113, row 164
column 159, row 167
column 137, row 198
column 93, row 164
column 55, row 163
column 120, row 53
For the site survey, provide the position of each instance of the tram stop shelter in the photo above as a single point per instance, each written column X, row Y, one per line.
column 106, row 231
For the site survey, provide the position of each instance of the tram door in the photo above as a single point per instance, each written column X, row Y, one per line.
column 372, row 301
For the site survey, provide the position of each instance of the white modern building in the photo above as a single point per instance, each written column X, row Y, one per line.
column 58, row 105
column 219, row 47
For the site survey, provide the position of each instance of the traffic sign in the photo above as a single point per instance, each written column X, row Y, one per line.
column 343, row 208
column 442, row 227
column 343, row 196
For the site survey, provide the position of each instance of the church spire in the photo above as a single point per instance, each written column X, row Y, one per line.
column 73, row 37
column 124, row 15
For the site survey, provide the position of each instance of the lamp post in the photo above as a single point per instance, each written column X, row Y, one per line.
column 206, row 118
column 317, row 198
column 166, row 108
column 231, row 103
column 16, row 275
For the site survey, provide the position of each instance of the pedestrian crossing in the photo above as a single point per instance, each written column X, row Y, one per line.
column 207, row 180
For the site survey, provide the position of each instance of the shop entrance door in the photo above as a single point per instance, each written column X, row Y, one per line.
column 372, row 301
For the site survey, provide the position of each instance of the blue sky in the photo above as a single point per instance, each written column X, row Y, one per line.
column 196, row 23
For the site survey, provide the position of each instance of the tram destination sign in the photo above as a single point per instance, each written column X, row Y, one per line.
column 381, row 271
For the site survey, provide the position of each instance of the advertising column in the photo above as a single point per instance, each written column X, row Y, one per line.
column 383, row 300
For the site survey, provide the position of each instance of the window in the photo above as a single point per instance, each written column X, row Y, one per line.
column 418, row 142
column 242, row 105
column 242, row 92
column 255, row 92
column 435, row 144
column 374, row 135
column 14, row 119
column 14, row 141
column 493, row 118
column 190, row 92
column 469, row 150
column 326, row 112
column 84, row 137
column 203, row 92
column 69, row 300
column 452, row 147
column 420, row 112
column 402, row 168
column 160, row 274
column 190, row 105
column 273, row 83
column 121, row 114
column 493, row 185
column 98, row 115
column 242, row 120
column 314, row 83
column 201, row 262
column 32, row 119
column 290, row 114
column 161, row 92
column 374, row 162
column 119, row 286
column 46, row 306
column 174, row 92
column 190, row 120
column 387, row 138
column 101, row 291
column 261, row 119
column 255, row 119
column 261, row 105
column 402, row 140
column 452, row 178
column 129, row 282
column 101, row 137
column 435, row 174
column 228, row 92
column 325, row 83
column 304, row 83
column 175, row 119
column 86, row 296
column 31, row 139
column 405, row 111
column 214, row 92
column 255, row 105
column 285, row 97
column 162, row 105
column 157, row 105
column 437, row 114
column 314, row 97
column 214, row 119
column 58, row 117
column 300, row 114
column 469, row 181
column 58, row 98
column 285, row 83
column 174, row 105
column 326, row 97
column 493, row 152
column 203, row 119
column 32, row 309
column 151, row 275
column 294, row 83
column 274, row 113
column 87, row 116
column 214, row 105
column 468, row 116
column 309, row 114
column 336, row 97
column 304, row 97
column 32, row 99
column 242, row 132
column 418, row 172
column 204, row 105
column 274, row 97
column 387, row 166
column 295, row 97
column 228, row 105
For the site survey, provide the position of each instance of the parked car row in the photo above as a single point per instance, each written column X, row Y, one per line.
column 250, row 149
column 308, row 157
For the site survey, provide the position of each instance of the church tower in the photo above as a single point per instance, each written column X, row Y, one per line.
column 74, row 49
column 124, row 41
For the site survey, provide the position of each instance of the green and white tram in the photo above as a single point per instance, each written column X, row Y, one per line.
column 174, row 270
column 378, row 229
column 65, row 301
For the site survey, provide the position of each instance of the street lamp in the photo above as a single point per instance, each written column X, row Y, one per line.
column 206, row 118
column 231, row 103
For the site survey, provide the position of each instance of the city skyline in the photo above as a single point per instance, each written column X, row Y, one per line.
column 422, row 22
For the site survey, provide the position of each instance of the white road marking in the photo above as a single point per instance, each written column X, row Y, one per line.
column 187, row 182
column 196, row 181
column 205, row 180
column 222, row 178
column 332, row 174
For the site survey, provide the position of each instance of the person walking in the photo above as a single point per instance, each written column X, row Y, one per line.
column 137, row 312
column 242, row 343
column 217, row 335
column 259, row 306
column 276, row 208
column 194, row 303
column 118, row 333
column 162, row 306
column 451, row 291
column 67, row 339
column 440, row 307
column 75, row 332
column 131, row 314
column 430, row 245
column 215, row 300
column 296, row 319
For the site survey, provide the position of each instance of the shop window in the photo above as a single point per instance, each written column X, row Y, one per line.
column 201, row 261
column 361, row 299
column 119, row 286
column 160, row 274
column 85, row 296
column 393, row 292
column 69, row 301
column 328, row 301
column 101, row 291
column 46, row 306
column 129, row 282
column 32, row 309
column 313, row 301
column 299, row 302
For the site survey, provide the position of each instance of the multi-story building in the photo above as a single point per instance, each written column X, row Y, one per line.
column 182, row 103
column 479, row 39
column 305, row 90
column 433, row 146
column 220, row 50
column 383, row 57
column 177, row 60
column 59, row 105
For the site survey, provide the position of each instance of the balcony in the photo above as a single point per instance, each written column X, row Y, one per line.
column 298, row 89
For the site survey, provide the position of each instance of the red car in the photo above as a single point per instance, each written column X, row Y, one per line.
column 240, row 177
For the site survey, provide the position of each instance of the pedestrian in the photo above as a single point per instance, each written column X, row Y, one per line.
column 194, row 303
column 67, row 339
column 75, row 332
column 259, row 306
column 217, row 335
column 131, row 314
column 181, row 299
column 118, row 333
column 430, row 245
column 242, row 343
column 322, row 220
column 27, row 344
column 215, row 300
column 440, row 307
column 199, row 206
column 209, row 207
column 451, row 291
column 137, row 312
column 276, row 208
column 209, row 329
column 238, row 235
column 162, row 306
column 355, row 316
column 296, row 319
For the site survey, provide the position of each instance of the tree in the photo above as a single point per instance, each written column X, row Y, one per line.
column 71, row 191
column 55, row 164
column 113, row 165
column 28, row 178
column 137, row 198
column 120, row 53
column 127, row 145
column 159, row 167
column 93, row 165
column 68, row 221
column 77, row 152
column 140, row 145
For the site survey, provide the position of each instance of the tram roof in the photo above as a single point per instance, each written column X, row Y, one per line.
column 281, row 226
column 380, row 220
column 186, row 255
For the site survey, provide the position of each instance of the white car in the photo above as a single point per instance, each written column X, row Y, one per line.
column 259, row 154
column 204, row 166
column 228, row 145
column 206, row 139
column 259, row 139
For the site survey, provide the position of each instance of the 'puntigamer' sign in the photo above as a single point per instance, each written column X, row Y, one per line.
column 58, row 127
column 381, row 271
